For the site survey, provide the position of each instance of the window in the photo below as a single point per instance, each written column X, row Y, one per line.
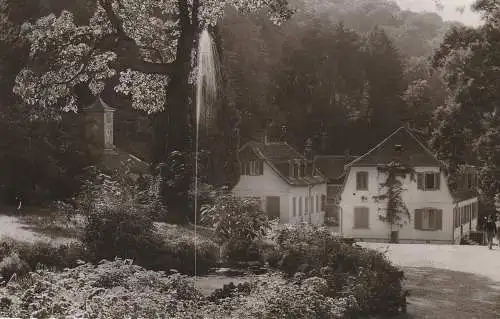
column 361, row 217
column 295, row 168
column 428, row 181
column 323, row 202
column 428, row 219
column 317, row 204
column 294, row 206
column 306, row 204
column 312, row 204
column 362, row 181
column 455, row 217
column 252, row 168
column 300, row 206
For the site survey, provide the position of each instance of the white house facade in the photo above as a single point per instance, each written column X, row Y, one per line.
column 432, row 207
column 283, row 181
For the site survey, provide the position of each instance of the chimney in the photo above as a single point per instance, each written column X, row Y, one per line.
column 308, row 149
column 324, row 141
column 283, row 133
column 261, row 136
column 347, row 156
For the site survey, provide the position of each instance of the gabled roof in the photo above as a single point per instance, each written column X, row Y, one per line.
column 119, row 160
column 99, row 106
column 413, row 152
column 332, row 166
column 277, row 156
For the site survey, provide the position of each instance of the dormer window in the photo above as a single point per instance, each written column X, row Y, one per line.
column 296, row 168
column 252, row 167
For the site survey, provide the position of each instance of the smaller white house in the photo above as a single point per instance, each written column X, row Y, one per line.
column 436, row 214
column 283, row 180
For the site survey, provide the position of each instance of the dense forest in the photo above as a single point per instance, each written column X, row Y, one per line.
column 344, row 73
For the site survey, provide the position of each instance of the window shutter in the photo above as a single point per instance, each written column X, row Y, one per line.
column 437, row 179
column 439, row 218
column 294, row 206
column 300, row 205
column 418, row 218
column 420, row 180
column 358, row 180
column 361, row 217
column 261, row 167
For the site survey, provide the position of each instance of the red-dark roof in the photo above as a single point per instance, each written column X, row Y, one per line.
column 332, row 166
column 278, row 155
column 413, row 153
column 463, row 195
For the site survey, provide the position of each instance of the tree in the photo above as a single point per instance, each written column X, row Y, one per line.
column 386, row 85
column 396, row 210
column 150, row 45
column 469, row 61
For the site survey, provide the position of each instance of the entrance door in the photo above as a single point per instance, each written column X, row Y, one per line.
column 273, row 206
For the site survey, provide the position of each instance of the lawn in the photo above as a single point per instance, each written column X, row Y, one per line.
column 438, row 293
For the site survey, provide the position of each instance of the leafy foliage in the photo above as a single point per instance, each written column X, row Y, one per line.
column 469, row 63
column 235, row 218
column 120, row 289
column 365, row 274
column 396, row 211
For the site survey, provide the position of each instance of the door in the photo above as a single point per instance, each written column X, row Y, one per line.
column 273, row 206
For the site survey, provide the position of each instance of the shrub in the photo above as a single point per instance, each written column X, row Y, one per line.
column 119, row 232
column 180, row 254
column 271, row 298
column 42, row 253
column 235, row 218
column 238, row 250
column 365, row 274
column 12, row 264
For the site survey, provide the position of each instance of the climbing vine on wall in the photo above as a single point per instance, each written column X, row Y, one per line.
column 395, row 212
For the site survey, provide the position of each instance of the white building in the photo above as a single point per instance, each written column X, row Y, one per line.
column 436, row 214
column 283, row 180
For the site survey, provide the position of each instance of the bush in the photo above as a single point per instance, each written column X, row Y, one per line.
column 119, row 232
column 42, row 253
column 237, row 250
column 180, row 255
column 236, row 218
column 12, row 264
column 365, row 274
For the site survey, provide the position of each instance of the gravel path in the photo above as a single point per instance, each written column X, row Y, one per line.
column 11, row 227
column 478, row 260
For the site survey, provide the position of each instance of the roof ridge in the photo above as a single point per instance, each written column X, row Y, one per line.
column 376, row 146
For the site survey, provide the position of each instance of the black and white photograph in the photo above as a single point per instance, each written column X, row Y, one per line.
column 250, row 159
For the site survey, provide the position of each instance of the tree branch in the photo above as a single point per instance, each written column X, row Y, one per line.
column 127, row 50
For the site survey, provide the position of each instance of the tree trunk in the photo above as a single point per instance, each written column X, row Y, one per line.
column 173, row 142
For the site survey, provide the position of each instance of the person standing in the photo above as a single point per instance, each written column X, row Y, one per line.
column 497, row 224
column 491, row 231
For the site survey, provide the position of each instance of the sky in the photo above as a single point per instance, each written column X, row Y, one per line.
column 449, row 10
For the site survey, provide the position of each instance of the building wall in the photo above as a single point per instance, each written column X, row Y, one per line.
column 271, row 184
column 318, row 214
column 95, row 127
column 268, row 184
column 465, row 225
column 413, row 198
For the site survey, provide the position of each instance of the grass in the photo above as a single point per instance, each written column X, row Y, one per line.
column 438, row 293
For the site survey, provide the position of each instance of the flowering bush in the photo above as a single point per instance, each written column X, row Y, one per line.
column 365, row 274
column 120, row 289
column 236, row 218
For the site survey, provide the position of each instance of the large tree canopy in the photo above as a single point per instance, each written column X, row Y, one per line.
column 150, row 46
column 138, row 39
column 470, row 64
